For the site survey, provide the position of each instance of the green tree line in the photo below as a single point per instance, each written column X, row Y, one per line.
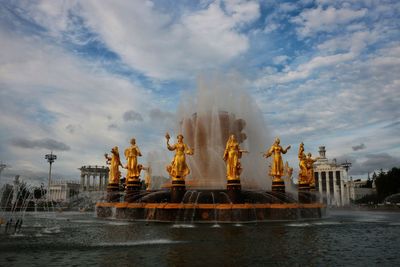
column 387, row 183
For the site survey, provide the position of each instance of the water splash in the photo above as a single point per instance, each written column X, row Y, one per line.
column 221, row 107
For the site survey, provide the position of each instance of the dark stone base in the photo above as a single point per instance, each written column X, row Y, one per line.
column 132, row 190
column 278, row 186
column 219, row 213
column 234, row 191
column 113, row 194
column 304, row 187
column 178, row 190
column 213, row 206
column 308, row 197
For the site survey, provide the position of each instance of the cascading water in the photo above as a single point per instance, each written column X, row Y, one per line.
column 222, row 108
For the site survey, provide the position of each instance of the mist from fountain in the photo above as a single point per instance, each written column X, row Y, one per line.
column 222, row 106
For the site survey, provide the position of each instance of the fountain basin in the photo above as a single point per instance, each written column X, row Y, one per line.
column 208, row 212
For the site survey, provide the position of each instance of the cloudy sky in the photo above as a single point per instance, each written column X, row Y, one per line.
column 78, row 77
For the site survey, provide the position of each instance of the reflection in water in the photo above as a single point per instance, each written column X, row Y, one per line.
column 345, row 238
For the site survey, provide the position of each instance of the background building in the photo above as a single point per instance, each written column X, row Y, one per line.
column 358, row 189
column 94, row 178
column 61, row 191
column 331, row 180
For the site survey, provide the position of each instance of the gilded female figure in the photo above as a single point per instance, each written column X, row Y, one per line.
column 114, row 162
column 131, row 155
column 310, row 169
column 232, row 154
column 302, row 164
column 178, row 167
column 277, row 163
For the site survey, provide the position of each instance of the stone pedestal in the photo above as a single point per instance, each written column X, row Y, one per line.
column 304, row 186
column 312, row 188
column 132, row 189
column 278, row 185
column 234, row 190
column 314, row 194
column 178, row 190
column 113, row 192
column 304, row 194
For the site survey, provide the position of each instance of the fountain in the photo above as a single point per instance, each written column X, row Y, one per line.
column 210, row 181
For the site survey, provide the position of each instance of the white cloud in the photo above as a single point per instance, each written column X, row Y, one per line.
column 164, row 47
column 280, row 59
column 319, row 19
column 48, row 93
column 334, row 92
column 242, row 11
column 159, row 45
column 304, row 70
column 342, row 107
column 287, row 7
column 344, row 48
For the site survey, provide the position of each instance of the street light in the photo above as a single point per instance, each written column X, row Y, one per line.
column 2, row 167
column 346, row 165
column 50, row 159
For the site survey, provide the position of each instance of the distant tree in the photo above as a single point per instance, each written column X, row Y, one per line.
column 368, row 184
column 39, row 192
column 388, row 183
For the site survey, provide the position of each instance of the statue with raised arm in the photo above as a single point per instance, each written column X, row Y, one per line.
column 310, row 169
column 114, row 162
column 131, row 154
column 178, row 168
column 276, row 151
column 232, row 155
column 303, row 175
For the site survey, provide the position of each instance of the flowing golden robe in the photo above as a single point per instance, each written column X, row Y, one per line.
column 302, row 164
column 178, row 167
column 232, row 155
column 310, row 170
column 277, row 163
column 114, row 162
column 131, row 155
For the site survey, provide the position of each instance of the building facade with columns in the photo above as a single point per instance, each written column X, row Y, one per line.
column 331, row 180
column 62, row 191
column 94, row 178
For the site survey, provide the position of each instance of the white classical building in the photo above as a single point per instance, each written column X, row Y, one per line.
column 94, row 178
column 61, row 191
column 331, row 180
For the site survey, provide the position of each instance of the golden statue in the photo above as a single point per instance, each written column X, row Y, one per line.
column 303, row 175
column 178, row 168
column 232, row 154
column 131, row 155
column 310, row 169
column 277, row 163
column 114, row 162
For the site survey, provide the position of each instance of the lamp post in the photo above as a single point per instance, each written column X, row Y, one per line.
column 346, row 165
column 50, row 159
column 2, row 167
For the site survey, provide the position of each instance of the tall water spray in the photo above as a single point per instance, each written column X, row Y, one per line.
column 221, row 107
